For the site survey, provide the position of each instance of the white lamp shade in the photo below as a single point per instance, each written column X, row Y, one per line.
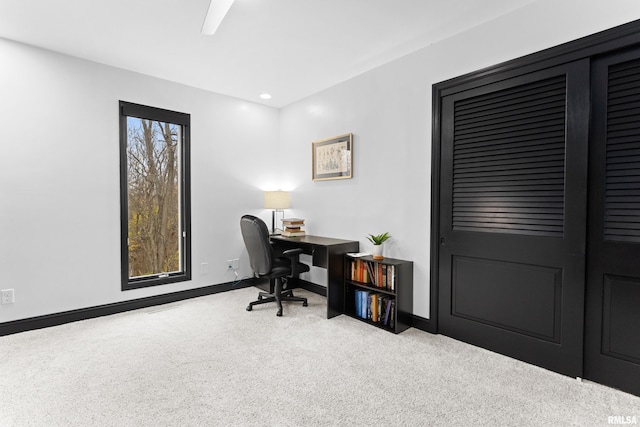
column 277, row 200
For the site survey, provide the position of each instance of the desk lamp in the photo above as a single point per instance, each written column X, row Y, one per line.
column 278, row 201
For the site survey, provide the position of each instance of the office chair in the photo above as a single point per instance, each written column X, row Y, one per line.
column 265, row 264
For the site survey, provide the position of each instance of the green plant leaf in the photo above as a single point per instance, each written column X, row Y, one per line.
column 379, row 238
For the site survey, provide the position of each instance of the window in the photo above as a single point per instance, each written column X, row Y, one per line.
column 154, row 196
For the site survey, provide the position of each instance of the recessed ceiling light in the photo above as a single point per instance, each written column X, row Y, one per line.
column 265, row 96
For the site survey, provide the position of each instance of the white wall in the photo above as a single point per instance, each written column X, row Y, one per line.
column 389, row 112
column 59, row 178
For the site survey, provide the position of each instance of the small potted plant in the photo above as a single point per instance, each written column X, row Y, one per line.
column 377, row 241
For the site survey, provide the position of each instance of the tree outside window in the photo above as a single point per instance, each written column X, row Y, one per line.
column 154, row 152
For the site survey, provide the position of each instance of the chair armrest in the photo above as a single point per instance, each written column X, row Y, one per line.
column 293, row 255
column 290, row 253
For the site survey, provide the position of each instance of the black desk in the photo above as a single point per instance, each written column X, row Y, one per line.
column 327, row 253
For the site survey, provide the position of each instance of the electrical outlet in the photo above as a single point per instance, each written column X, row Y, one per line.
column 233, row 264
column 7, row 296
column 204, row 268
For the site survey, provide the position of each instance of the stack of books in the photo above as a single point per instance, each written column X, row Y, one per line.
column 378, row 274
column 378, row 308
column 292, row 227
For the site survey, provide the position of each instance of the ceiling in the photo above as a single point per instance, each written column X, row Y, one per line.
column 288, row 48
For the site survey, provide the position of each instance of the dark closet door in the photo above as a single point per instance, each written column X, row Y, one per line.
column 513, row 216
column 612, row 322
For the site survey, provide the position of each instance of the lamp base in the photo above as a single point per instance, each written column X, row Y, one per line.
column 274, row 229
column 273, row 222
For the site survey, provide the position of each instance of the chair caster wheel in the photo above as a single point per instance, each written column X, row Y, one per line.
column 249, row 308
column 304, row 304
column 279, row 313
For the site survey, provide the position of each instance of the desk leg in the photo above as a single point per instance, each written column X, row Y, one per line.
column 335, row 277
column 335, row 285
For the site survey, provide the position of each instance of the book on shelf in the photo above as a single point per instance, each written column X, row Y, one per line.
column 361, row 298
column 378, row 308
column 377, row 274
column 360, row 271
column 384, row 275
column 387, row 311
column 373, row 303
column 372, row 274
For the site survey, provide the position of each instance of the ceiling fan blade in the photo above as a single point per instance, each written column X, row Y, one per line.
column 216, row 13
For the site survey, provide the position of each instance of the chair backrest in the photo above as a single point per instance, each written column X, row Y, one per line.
column 256, row 238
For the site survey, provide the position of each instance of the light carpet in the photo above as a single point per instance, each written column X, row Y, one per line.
column 208, row 362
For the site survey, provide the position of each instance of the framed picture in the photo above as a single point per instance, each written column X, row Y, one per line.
column 332, row 158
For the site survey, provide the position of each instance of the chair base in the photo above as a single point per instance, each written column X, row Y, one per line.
column 277, row 297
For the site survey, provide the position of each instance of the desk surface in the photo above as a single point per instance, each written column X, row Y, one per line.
column 312, row 240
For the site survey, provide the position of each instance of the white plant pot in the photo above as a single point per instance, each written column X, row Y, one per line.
column 377, row 252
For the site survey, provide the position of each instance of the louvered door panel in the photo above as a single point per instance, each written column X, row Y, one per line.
column 508, row 160
column 612, row 343
column 622, row 190
column 512, row 215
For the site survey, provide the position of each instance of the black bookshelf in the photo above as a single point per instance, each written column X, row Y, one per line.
column 379, row 292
